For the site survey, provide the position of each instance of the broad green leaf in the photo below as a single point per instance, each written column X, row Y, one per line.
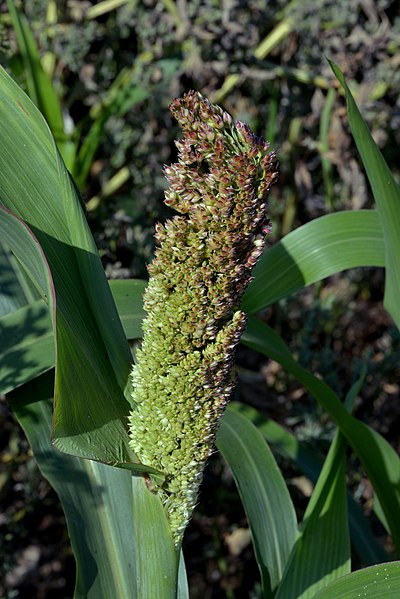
column 387, row 197
column 93, row 356
column 310, row 463
column 375, row 582
column 264, row 495
column 105, row 519
column 379, row 459
column 320, row 248
column 322, row 551
column 27, row 348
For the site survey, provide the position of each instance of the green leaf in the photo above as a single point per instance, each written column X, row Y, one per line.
column 157, row 558
column 310, row 463
column 322, row 551
column 93, row 356
column 264, row 495
column 121, row 541
column 128, row 297
column 27, row 334
column 387, row 196
column 376, row 582
column 378, row 458
column 320, row 248
column 21, row 328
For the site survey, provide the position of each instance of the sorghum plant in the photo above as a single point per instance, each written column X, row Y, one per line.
column 119, row 533
column 182, row 377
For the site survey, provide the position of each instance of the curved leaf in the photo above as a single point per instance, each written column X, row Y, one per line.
column 387, row 196
column 21, row 328
column 27, row 345
column 378, row 457
column 264, row 494
column 93, row 358
column 107, row 522
column 16, row 289
column 375, row 582
column 320, row 248
column 322, row 551
column 39, row 85
column 27, row 348
column 310, row 463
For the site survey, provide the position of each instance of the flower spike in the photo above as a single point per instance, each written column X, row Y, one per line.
column 182, row 377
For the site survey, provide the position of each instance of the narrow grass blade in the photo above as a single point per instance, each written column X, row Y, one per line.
column 320, row 248
column 322, row 551
column 387, row 196
column 39, row 84
column 310, row 464
column 122, row 95
column 326, row 164
column 104, row 7
column 376, row 582
column 378, row 458
column 264, row 495
column 183, row 588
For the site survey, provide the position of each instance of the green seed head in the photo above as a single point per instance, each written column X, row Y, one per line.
column 182, row 377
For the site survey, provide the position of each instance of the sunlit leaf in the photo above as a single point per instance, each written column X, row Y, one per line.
column 320, row 248
column 379, row 459
column 375, row 582
column 387, row 197
column 93, row 356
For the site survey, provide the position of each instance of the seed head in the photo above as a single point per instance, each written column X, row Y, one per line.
column 182, row 377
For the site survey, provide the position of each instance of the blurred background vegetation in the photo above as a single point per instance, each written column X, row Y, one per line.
column 115, row 66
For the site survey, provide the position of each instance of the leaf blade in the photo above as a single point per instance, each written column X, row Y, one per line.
column 93, row 356
column 322, row 551
column 377, row 456
column 316, row 250
column 375, row 582
column 106, row 520
column 310, row 464
column 387, row 197
column 264, row 494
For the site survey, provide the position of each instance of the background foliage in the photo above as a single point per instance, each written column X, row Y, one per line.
column 289, row 96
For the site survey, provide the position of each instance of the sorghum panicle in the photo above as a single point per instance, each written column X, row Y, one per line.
column 182, row 377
